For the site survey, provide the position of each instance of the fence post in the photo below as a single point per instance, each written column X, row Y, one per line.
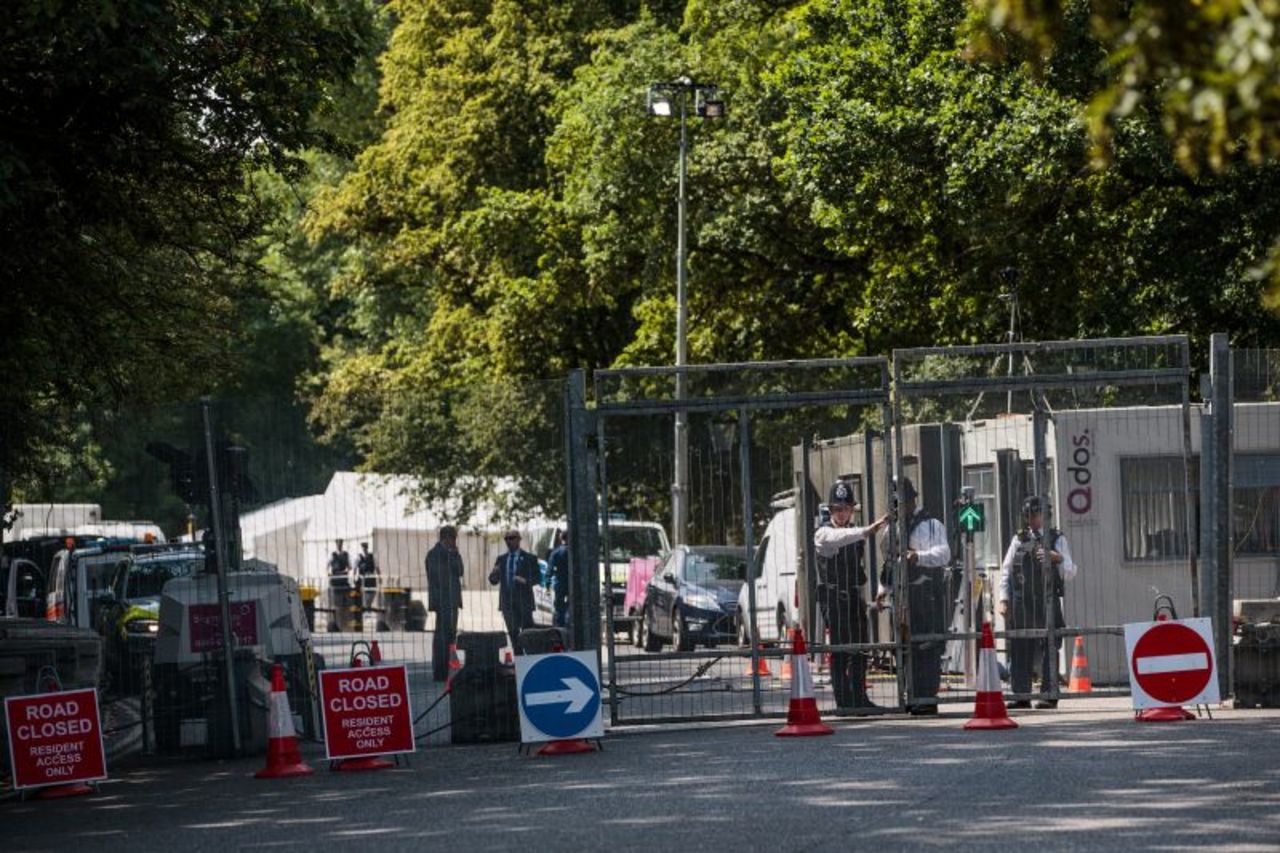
column 748, row 537
column 1220, row 371
column 582, row 516
column 221, row 561
column 1039, row 428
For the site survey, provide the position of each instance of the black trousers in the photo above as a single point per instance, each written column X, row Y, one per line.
column 929, row 604
column 1026, row 652
column 847, row 619
column 446, row 635
column 517, row 620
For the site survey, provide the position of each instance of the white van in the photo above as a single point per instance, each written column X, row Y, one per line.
column 628, row 540
column 774, row 570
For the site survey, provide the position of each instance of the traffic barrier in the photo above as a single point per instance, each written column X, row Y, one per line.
column 989, row 711
column 1167, row 713
column 761, row 664
column 283, row 758
column 803, row 719
column 1080, row 680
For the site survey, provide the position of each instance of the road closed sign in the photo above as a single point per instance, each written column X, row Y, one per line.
column 1171, row 663
column 366, row 712
column 55, row 738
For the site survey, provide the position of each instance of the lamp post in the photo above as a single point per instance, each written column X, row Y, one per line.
column 664, row 101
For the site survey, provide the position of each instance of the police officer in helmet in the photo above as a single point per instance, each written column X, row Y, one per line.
column 1025, row 581
column 842, row 575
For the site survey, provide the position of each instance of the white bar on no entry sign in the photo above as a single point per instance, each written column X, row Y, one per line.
column 1172, row 663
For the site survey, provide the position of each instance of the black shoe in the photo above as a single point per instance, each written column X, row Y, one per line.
column 1020, row 705
column 922, row 710
column 1046, row 703
column 864, row 703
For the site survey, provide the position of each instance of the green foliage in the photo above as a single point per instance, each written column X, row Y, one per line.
column 129, row 129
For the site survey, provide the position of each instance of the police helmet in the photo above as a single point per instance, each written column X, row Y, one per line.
column 1031, row 506
column 841, row 494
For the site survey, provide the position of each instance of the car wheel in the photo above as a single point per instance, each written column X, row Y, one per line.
column 651, row 643
column 680, row 632
column 742, row 632
column 637, row 630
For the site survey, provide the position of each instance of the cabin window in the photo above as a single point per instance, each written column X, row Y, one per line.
column 1154, row 493
column 1255, row 492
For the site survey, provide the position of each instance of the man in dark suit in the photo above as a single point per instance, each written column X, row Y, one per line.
column 515, row 573
column 444, row 597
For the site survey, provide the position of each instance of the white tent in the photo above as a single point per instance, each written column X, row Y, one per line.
column 298, row 535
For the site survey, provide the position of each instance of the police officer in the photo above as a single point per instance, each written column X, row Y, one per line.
column 841, row 577
column 1023, row 584
column 927, row 556
column 558, row 579
column 367, row 571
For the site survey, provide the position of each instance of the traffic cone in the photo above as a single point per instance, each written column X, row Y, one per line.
column 803, row 719
column 784, row 671
column 283, row 757
column 1080, row 681
column 375, row 654
column 762, row 664
column 989, row 711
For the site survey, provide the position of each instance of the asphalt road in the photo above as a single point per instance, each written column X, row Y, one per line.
column 1085, row 777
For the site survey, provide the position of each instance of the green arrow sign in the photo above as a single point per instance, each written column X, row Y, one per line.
column 971, row 518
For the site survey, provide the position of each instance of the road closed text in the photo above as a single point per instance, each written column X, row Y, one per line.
column 55, row 738
column 366, row 712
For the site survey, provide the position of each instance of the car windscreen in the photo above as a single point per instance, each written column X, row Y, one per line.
column 628, row 542
column 100, row 570
column 712, row 568
column 148, row 577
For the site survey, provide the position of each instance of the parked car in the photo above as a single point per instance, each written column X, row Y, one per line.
column 774, row 577
column 130, row 613
column 692, row 598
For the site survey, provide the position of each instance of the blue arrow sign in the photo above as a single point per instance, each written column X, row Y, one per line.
column 560, row 696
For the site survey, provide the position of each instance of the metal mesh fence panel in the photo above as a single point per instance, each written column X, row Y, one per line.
column 703, row 630
column 1255, row 474
column 1079, row 456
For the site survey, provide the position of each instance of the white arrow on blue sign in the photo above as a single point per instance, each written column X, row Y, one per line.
column 559, row 697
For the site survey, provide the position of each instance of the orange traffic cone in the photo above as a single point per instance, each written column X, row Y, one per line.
column 784, row 671
column 762, row 664
column 454, row 663
column 375, row 654
column 283, row 757
column 989, row 711
column 803, row 719
column 1080, row 681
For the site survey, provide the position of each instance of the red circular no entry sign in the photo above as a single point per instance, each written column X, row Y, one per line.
column 1172, row 663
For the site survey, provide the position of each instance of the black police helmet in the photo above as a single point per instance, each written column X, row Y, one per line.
column 841, row 494
column 1031, row 506
column 908, row 490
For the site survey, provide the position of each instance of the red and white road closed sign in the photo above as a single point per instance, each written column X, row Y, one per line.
column 366, row 712
column 55, row 738
column 1171, row 663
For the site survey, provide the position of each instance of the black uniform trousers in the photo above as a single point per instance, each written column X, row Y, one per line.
column 445, row 636
column 846, row 617
column 928, row 600
column 1024, row 651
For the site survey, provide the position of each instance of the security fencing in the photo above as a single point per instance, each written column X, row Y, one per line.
column 690, row 497
column 702, row 631
column 1079, row 455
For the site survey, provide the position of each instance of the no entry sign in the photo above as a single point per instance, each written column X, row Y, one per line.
column 366, row 712
column 1171, row 663
column 55, row 738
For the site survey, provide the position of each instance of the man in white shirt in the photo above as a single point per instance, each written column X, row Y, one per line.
column 926, row 557
column 1023, row 599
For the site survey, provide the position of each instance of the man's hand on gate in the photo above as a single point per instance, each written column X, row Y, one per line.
column 1004, row 608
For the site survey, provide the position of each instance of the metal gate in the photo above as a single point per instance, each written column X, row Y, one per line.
column 1097, row 434
column 700, row 631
